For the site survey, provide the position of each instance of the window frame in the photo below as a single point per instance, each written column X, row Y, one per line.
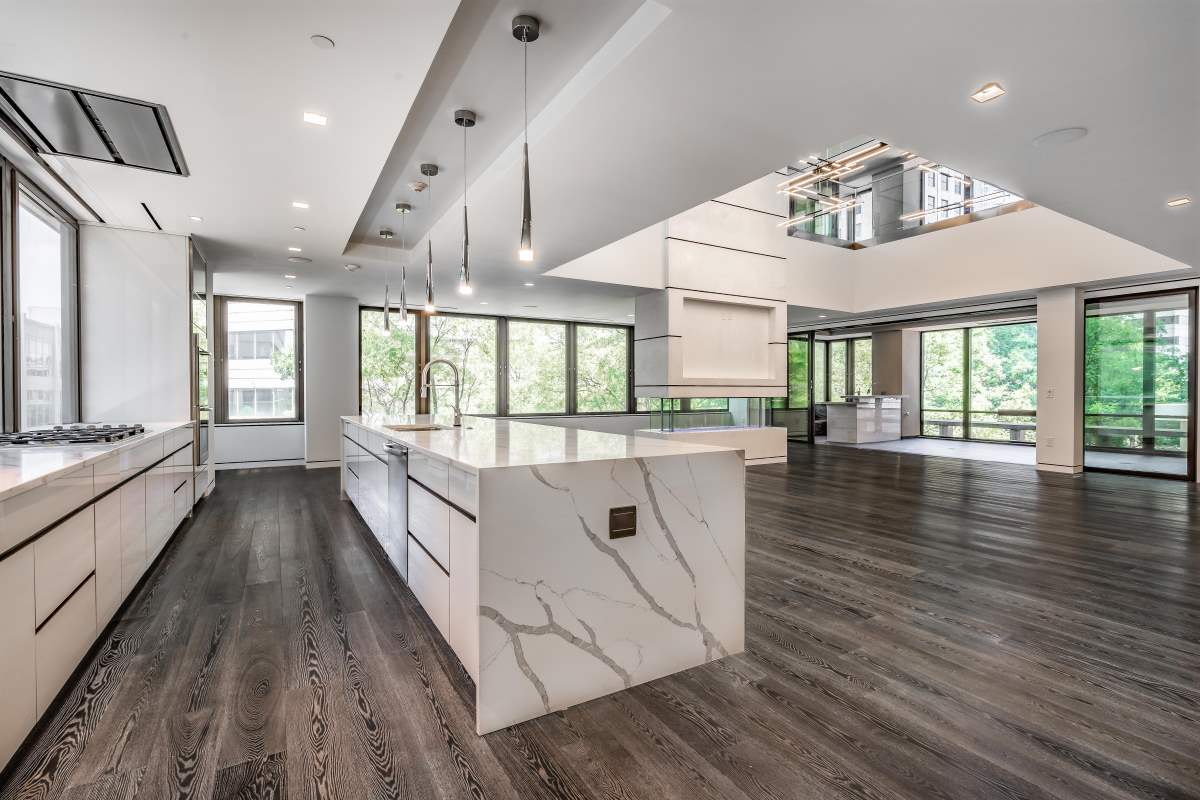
column 219, row 346
column 12, row 183
column 502, row 372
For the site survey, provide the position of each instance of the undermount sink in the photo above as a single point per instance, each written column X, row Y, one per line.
column 418, row 427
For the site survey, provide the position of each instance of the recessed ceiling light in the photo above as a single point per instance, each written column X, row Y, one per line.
column 299, row 260
column 289, row 277
column 196, row 219
column 527, row 283
column 629, row 315
column 322, row 41
column 299, row 204
column 300, row 228
column 352, row 268
column 1178, row 201
column 822, row 316
column 989, row 91
column 483, row 302
column 1060, row 136
column 295, row 250
column 313, row 118
column 289, row 286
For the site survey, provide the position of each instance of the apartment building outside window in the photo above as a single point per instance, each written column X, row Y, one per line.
column 260, row 367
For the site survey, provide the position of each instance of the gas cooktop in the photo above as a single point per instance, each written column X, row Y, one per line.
column 70, row 434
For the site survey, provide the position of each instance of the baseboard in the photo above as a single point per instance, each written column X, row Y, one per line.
column 754, row 462
column 322, row 464
column 1060, row 468
column 282, row 462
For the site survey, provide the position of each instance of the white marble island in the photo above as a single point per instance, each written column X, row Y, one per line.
column 864, row 418
column 521, row 548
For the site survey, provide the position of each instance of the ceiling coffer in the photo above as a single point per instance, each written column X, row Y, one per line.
column 69, row 121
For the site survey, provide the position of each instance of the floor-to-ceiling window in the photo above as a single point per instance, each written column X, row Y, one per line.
column 838, row 377
column 44, row 307
column 601, row 369
column 537, row 367
column 980, row 383
column 862, row 366
column 1139, row 383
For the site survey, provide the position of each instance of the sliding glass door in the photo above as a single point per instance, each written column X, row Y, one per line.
column 1139, row 384
column 980, row 383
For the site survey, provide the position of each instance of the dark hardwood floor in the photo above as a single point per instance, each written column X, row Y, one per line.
column 917, row 628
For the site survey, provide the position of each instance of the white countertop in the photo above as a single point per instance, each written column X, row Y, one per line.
column 23, row 468
column 485, row 442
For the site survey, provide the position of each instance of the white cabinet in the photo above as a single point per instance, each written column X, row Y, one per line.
column 109, row 591
column 464, row 486
column 133, row 532
column 433, row 473
column 62, row 641
column 183, row 500
column 429, row 522
column 63, row 558
column 159, row 508
column 430, row 585
column 27, row 513
column 464, row 591
column 18, row 708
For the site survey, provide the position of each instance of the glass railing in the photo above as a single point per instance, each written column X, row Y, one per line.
column 868, row 192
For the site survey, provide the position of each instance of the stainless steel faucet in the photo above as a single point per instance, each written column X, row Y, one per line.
column 457, row 387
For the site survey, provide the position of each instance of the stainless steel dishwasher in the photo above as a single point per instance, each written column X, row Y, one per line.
column 395, row 544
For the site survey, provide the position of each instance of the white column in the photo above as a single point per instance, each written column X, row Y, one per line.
column 1060, row 380
column 330, row 374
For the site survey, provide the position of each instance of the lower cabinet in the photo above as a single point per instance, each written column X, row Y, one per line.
column 18, row 665
column 109, row 590
column 62, row 641
column 431, row 586
column 133, row 532
column 464, row 591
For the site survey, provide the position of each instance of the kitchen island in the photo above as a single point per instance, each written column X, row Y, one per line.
column 864, row 418
column 560, row 564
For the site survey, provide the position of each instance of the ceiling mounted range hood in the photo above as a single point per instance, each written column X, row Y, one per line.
column 69, row 121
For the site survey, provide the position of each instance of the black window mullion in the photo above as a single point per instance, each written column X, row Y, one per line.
column 502, row 367
column 966, row 387
column 571, row 366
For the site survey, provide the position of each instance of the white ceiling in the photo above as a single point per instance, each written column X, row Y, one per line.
column 640, row 110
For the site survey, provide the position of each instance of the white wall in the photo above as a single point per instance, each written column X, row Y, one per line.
column 330, row 374
column 135, row 327
column 258, row 445
column 1060, row 380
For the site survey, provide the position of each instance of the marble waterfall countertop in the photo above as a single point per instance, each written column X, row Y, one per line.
column 486, row 442
column 24, row 468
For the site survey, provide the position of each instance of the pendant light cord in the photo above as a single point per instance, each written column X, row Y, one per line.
column 525, row 56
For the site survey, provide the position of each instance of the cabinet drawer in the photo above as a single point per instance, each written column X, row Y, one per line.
column 182, row 504
column 431, row 586
column 463, row 488
column 18, row 701
column 63, row 558
column 429, row 522
column 62, row 641
column 182, row 460
column 133, row 532
column 429, row 471
column 120, row 467
column 27, row 513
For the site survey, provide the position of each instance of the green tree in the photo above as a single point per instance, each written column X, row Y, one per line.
column 388, row 365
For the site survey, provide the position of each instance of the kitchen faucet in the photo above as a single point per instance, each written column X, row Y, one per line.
column 457, row 386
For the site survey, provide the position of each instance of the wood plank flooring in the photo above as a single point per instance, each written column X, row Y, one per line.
column 918, row 627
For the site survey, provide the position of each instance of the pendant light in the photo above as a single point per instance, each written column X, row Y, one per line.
column 429, row 171
column 465, row 119
column 403, row 209
column 386, row 234
column 525, row 29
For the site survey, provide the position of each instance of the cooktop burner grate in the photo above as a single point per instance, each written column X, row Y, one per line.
column 70, row 434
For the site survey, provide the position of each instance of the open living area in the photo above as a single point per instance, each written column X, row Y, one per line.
column 772, row 414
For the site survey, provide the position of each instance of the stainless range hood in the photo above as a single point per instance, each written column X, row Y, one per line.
column 69, row 121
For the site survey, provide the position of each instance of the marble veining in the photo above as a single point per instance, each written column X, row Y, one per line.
column 567, row 614
column 24, row 468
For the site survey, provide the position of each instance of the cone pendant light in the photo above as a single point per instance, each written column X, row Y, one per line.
column 526, row 29
column 465, row 119
column 429, row 171
column 386, row 234
column 403, row 209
